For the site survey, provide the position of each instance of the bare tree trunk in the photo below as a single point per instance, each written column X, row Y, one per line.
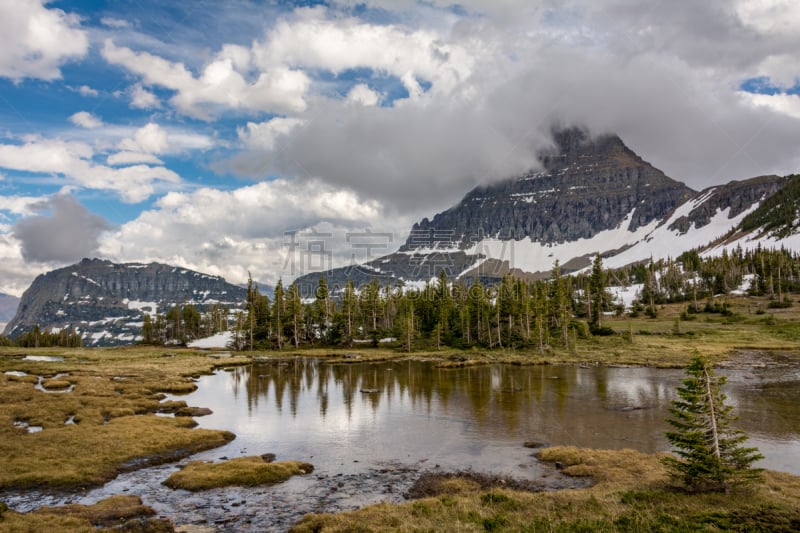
column 713, row 420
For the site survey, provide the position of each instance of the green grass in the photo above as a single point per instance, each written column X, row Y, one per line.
column 242, row 471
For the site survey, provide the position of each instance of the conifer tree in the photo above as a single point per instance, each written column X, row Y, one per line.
column 710, row 455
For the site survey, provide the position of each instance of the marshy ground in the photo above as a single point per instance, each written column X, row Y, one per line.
column 74, row 418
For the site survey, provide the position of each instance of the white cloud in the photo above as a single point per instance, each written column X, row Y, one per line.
column 141, row 98
column 37, row 40
column 73, row 161
column 786, row 104
column 84, row 119
column 115, row 23
column 150, row 138
column 362, row 94
column 262, row 136
column 19, row 205
column 85, row 90
column 280, row 89
column 230, row 232
column 313, row 40
column 132, row 158
column 154, row 139
column 770, row 16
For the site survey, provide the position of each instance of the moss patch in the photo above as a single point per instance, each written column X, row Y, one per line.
column 242, row 471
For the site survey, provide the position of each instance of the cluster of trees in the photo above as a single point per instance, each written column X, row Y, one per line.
column 514, row 312
column 692, row 278
column 36, row 338
column 183, row 323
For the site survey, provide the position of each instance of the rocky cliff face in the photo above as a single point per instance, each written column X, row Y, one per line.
column 592, row 195
column 586, row 186
column 736, row 196
column 105, row 301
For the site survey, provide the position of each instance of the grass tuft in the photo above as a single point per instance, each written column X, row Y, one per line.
column 242, row 471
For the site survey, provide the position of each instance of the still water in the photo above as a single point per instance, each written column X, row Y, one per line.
column 348, row 418
column 371, row 430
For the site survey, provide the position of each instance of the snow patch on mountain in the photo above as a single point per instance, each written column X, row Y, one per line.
column 537, row 257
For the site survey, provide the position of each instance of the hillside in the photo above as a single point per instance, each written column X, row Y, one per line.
column 105, row 302
column 592, row 195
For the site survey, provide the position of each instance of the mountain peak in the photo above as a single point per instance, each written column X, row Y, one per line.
column 587, row 185
column 105, row 302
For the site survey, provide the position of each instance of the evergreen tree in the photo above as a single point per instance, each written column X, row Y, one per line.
column 710, row 453
column 148, row 336
column 599, row 297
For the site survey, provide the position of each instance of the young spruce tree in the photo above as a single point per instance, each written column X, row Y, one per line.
column 710, row 454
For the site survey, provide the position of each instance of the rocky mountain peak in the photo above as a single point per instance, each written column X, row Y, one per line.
column 106, row 301
column 587, row 185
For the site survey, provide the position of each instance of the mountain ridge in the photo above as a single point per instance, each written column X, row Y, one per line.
column 593, row 195
column 105, row 302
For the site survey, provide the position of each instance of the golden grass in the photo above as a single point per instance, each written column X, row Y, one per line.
column 122, row 512
column 631, row 494
column 242, row 471
column 116, row 393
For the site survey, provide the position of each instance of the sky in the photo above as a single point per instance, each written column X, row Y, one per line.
column 273, row 138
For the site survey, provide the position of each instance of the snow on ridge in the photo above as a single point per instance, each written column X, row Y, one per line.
column 664, row 242
column 219, row 340
column 752, row 241
column 532, row 256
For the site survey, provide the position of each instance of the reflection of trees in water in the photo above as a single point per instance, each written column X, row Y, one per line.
column 492, row 395
column 606, row 407
column 766, row 408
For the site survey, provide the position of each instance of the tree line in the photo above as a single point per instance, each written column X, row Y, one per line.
column 513, row 313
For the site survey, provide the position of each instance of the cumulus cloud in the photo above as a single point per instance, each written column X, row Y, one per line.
column 314, row 40
column 141, row 98
column 221, row 83
column 263, row 135
column 64, row 232
column 73, row 161
column 84, row 119
column 665, row 77
column 248, row 229
column 85, row 90
column 132, row 158
column 362, row 94
column 37, row 40
column 151, row 140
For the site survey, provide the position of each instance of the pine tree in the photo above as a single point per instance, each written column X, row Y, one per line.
column 711, row 457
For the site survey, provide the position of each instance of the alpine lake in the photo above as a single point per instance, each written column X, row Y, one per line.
column 372, row 428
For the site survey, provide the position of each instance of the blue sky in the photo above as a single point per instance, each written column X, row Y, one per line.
column 200, row 133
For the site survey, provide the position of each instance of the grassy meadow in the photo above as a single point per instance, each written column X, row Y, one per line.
column 99, row 419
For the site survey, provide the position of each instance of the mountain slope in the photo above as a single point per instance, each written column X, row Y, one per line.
column 8, row 307
column 593, row 195
column 105, row 301
column 586, row 186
